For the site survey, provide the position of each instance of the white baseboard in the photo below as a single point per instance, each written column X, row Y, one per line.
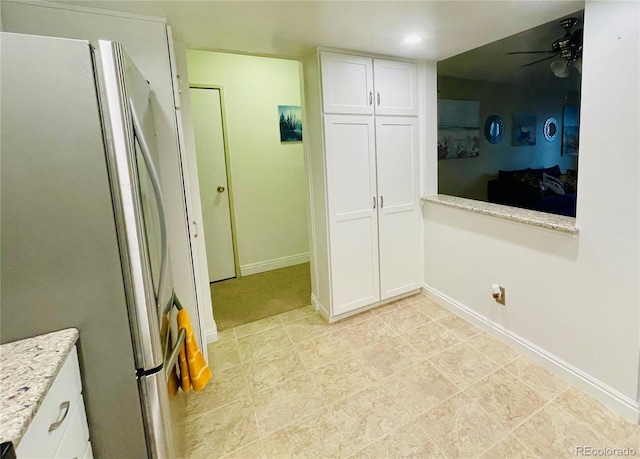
column 284, row 262
column 212, row 335
column 324, row 312
column 625, row 406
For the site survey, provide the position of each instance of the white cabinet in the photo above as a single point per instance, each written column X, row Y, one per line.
column 59, row 428
column 364, row 180
column 362, row 85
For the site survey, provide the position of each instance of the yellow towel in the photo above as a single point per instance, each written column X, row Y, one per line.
column 194, row 371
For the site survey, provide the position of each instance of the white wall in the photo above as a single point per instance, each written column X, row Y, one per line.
column 269, row 182
column 468, row 177
column 576, row 300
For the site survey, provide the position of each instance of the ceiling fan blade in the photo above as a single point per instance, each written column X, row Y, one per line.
column 532, row 52
column 540, row 60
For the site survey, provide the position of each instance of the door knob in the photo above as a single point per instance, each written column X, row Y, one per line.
column 220, row 189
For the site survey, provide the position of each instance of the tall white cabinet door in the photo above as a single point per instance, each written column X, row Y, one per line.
column 398, row 213
column 347, row 83
column 353, row 226
column 396, row 88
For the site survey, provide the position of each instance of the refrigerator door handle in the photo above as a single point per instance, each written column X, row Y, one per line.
column 155, row 183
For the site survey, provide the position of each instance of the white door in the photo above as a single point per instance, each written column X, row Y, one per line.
column 352, row 202
column 347, row 83
column 396, row 88
column 212, row 175
column 398, row 211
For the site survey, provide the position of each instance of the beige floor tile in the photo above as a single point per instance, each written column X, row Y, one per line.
column 388, row 307
column 634, row 441
column 224, row 355
column 343, row 377
column 281, row 405
column 323, row 350
column 254, row 450
column 408, row 441
column 391, row 356
column 224, row 336
column 597, row 416
column 225, row 387
column 297, row 314
column 263, row 343
column 552, row 432
column 420, row 388
column 509, row 448
column 222, row 431
column 367, row 333
column 257, row 326
column 461, row 428
column 368, row 415
column 404, row 319
column 505, row 398
column 546, row 384
column 351, row 320
column 431, row 308
column 458, row 326
column 431, row 339
column 463, row 365
column 307, row 328
column 492, row 348
column 313, row 436
column 273, row 369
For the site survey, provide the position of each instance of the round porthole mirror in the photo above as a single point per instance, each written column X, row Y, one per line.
column 550, row 129
column 494, row 129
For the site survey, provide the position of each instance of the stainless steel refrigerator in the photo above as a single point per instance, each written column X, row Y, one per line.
column 83, row 231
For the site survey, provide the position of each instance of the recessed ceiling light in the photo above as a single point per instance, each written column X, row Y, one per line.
column 412, row 39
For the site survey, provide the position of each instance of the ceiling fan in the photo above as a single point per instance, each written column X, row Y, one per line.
column 566, row 51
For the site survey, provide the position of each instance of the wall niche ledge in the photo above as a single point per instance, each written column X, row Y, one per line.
column 559, row 223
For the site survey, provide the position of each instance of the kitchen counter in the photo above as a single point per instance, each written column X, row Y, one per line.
column 28, row 368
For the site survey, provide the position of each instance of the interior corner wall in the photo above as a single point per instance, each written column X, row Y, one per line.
column 468, row 177
column 575, row 298
column 269, row 180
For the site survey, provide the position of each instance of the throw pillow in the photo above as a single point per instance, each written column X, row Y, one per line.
column 552, row 184
column 568, row 183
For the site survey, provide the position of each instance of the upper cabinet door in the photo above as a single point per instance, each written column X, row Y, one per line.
column 347, row 84
column 396, row 88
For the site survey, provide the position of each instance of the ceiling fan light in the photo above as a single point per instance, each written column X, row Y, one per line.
column 560, row 68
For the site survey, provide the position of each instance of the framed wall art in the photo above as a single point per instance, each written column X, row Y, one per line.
column 290, row 123
column 458, row 129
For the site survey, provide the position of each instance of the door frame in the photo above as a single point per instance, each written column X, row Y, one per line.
column 227, row 161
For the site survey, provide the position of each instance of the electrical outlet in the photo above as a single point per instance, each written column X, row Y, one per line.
column 501, row 298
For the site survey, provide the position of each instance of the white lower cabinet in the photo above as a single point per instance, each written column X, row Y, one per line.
column 364, row 182
column 59, row 428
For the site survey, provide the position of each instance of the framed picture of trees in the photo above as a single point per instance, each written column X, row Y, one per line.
column 290, row 123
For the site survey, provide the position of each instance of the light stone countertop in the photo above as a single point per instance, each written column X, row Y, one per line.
column 28, row 369
column 531, row 217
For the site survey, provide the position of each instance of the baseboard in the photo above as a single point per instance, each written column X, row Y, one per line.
column 324, row 312
column 623, row 405
column 284, row 262
column 212, row 335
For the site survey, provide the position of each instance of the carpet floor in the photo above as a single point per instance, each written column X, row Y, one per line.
column 250, row 298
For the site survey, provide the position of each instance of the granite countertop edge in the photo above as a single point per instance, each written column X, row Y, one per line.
column 29, row 367
column 544, row 220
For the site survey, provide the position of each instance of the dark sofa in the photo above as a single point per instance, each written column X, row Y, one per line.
column 545, row 190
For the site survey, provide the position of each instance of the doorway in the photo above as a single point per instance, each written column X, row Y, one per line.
column 236, row 106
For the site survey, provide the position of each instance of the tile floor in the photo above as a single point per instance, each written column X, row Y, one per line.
column 408, row 379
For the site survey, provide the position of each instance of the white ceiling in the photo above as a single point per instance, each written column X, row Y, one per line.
column 293, row 28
